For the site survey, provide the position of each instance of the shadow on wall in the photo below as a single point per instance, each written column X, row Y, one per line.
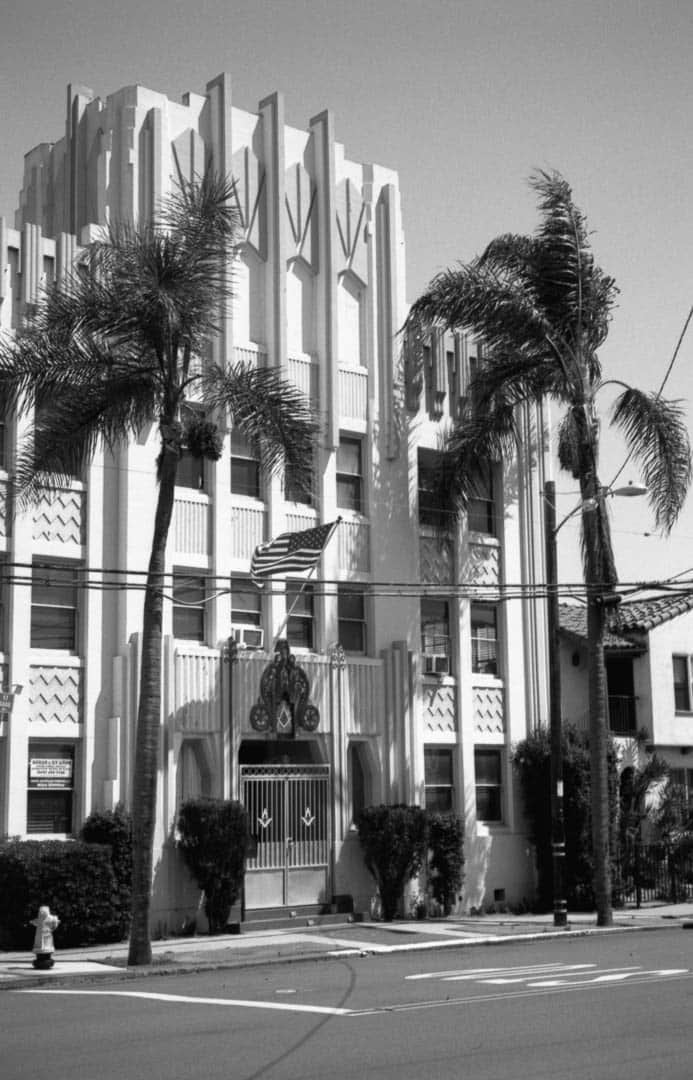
column 177, row 902
column 477, row 850
column 352, row 877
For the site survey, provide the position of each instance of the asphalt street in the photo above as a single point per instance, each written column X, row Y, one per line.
column 617, row 1006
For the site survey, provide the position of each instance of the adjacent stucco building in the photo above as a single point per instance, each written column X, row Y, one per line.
column 422, row 666
column 649, row 658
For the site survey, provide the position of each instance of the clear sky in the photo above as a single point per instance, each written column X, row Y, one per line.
column 464, row 98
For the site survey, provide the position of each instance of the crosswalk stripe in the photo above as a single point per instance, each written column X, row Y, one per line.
column 277, row 1006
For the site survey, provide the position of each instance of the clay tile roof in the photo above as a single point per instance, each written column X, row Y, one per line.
column 634, row 617
column 639, row 616
column 573, row 621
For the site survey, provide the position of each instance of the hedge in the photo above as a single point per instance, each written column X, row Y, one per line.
column 445, row 857
column 114, row 829
column 532, row 762
column 76, row 881
column 393, row 839
column 213, row 840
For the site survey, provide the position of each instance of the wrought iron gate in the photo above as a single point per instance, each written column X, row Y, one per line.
column 289, row 808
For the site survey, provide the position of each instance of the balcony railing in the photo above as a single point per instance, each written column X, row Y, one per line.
column 622, row 719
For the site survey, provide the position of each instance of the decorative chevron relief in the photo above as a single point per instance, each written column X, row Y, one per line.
column 437, row 560
column 351, row 213
column 58, row 515
column 489, row 711
column 439, row 708
column 481, row 564
column 300, row 203
column 251, row 198
column 55, row 694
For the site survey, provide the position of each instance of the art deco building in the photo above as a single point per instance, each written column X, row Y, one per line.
column 421, row 669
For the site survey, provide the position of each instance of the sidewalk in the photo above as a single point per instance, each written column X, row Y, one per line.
column 306, row 941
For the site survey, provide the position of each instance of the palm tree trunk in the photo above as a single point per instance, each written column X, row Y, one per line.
column 147, row 748
column 599, row 771
column 600, row 579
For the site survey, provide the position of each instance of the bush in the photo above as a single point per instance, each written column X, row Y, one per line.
column 393, row 839
column 445, row 857
column 76, row 880
column 114, row 829
column 532, row 761
column 213, row 842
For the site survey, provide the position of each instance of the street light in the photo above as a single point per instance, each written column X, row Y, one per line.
column 560, row 904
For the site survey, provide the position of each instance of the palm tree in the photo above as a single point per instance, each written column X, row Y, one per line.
column 117, row 347
column 542, row 307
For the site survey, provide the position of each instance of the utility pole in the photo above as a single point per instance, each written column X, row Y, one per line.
column 560, row 906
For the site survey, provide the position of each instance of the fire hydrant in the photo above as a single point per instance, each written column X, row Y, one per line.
column 45, row 924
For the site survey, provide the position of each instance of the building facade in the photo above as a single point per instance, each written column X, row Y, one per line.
column 649, row 667
column 422, row 667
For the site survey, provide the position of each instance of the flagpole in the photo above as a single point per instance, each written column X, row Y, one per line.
column 306, row 580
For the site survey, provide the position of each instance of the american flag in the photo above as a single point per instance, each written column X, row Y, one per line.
column 290, row 552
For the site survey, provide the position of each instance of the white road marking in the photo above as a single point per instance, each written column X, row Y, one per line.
column 617, row 976
column 519, row 974
column 479, row 972
column 277, row 1006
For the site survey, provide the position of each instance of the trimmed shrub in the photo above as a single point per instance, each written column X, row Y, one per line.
column 213, row 841
column 445, row 857
column 76, row 880
column 113, row 828
column 532, row 762
column 393, row 839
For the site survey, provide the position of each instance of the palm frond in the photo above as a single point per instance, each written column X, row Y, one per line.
column 467, row 451
column 71, row 419
column 269, row 411
column 570, row 442
column 657, row 435
column 575, row 294
column 162, row 283
column 519, row 376
column 511, row 256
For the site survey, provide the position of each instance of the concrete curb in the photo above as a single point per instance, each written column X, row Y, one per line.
column 240, row 962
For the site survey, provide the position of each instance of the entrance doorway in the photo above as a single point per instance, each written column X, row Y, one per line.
column 289, row 810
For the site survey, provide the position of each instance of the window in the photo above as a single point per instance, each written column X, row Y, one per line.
column 245, row 467
column 351, row 613
column 246, row 603
column 357, row 779
column 297, row 491
column 435, row 636
column 62, row 471
column 188, row 606
column 427, row 364
column 431, row 510
column 682, row 684
column 489, row 786
column 3, row 611
column 191, row 471
column 50, row 787
column 54, row 606
column 299, row 628
column 481, row 516
column 349, row 475
column 438, row 782
column 484, row 639
column 681, row 786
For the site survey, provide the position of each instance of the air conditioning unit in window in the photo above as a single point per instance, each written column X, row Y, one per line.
column 248, row 635
column 436, row 664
